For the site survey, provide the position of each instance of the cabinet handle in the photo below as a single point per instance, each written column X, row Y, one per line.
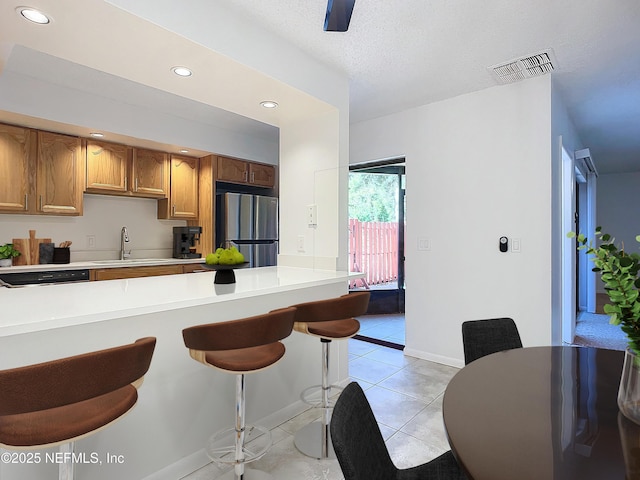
column 125, row 183
column 40, row 202
column 136, row 185
column 253, row 177
column 245, row 176
column 26, row 201
column 173, row 209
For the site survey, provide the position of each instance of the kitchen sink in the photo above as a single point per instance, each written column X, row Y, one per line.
column 132, row 261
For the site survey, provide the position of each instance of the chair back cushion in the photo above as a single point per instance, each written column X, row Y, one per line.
column 243, row 333
column 484, row 337
column 356, row 438
column 340, row 308
column 73, row 379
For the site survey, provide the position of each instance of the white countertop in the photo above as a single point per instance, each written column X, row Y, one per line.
column 43, row 307
column 91, row 264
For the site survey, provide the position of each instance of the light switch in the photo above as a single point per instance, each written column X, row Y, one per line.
column 515, row 245
column 312, row 215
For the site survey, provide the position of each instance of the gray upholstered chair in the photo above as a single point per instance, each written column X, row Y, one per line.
column 57, row 402
column 362, row 453
column 484, row 337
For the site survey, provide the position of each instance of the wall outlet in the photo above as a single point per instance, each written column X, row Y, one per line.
column 91, row 241
column 300, row 243
column 424, row 243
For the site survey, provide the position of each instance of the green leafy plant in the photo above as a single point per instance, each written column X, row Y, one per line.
column 7, row 251
column 619, row 273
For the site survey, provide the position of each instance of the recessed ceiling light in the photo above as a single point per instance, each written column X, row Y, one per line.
column 182, row 71
column 269, row 104
column 33, row 15
column 96, row 134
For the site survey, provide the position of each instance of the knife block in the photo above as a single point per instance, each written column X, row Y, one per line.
column 61, row 255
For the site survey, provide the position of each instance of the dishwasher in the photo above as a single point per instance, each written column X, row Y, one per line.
column 21, row 279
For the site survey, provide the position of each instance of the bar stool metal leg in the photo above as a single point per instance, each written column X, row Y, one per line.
column 240, row 448
column 65, row 468
column 313, row 440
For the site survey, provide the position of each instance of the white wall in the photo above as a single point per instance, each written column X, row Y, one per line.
column 104, row 216
column 617, row 209
column 563, row 135
column 478, row 168
column 37, row 98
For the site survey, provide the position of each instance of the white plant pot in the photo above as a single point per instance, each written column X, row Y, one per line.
column 5, row 262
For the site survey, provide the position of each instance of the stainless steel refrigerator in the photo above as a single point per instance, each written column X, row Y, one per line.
column 250, row 222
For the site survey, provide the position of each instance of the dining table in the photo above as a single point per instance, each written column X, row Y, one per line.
column 542, row 413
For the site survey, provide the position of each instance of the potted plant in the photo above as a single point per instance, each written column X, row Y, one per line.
column 619, row 272
column 7, row 254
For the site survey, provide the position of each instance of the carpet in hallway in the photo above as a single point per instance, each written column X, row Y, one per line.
column 594, row 330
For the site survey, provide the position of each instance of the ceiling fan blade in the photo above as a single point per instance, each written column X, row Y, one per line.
column 338, row 15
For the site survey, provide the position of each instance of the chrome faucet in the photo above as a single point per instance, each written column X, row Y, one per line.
column 124, row 238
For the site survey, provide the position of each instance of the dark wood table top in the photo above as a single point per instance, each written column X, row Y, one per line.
column 542, row 413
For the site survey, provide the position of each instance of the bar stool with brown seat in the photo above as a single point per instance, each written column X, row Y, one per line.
column 331, row 319
column 58, row 402
column 241, row 346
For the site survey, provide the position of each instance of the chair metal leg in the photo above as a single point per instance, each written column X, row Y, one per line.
column 240, row 448
column 65, row 468
column 240, row 411
column 314, row 440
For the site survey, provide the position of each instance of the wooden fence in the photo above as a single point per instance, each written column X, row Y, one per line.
column 373, row 249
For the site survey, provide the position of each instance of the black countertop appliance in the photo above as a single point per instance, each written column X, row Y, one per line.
column 184, row 242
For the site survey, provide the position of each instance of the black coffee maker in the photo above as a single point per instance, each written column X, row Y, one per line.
column 184, row 242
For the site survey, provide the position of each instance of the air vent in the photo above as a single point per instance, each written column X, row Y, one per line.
column 526, row 67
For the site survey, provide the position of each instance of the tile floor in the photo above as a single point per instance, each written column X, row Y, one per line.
column 383, row 327
column 406, row 396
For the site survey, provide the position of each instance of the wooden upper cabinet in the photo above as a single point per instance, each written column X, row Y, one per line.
column 18, row 147
column 107, row 167
column 150, row 173
column 115, row 169
column 248, row 173
column 262, row 175
column 183, row 190
column 59, row 174
column 232, row 170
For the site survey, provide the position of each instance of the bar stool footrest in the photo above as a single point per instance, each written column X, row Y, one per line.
column 313, row 395
column 221, row 445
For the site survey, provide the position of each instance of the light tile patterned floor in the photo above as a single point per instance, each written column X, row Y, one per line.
column 406, row 396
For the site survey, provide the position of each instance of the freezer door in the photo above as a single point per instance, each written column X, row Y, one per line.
column 238, row 216
column 265, row 254
column 266, row 218
column 246, row 249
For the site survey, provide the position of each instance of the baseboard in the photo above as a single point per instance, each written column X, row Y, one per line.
column 452, row 362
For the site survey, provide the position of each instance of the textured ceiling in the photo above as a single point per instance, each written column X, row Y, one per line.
column 403, row 53
column 397, row 54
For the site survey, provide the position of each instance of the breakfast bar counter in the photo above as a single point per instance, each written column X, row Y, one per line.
column 180, row 403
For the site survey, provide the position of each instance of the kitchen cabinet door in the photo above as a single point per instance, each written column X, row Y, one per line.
column 59, row 174
column 262, row 175
column 183, row 190
column 247, row 173
column 18, row 149
column 107, row 165
column 150, row 173
column 232, row 170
